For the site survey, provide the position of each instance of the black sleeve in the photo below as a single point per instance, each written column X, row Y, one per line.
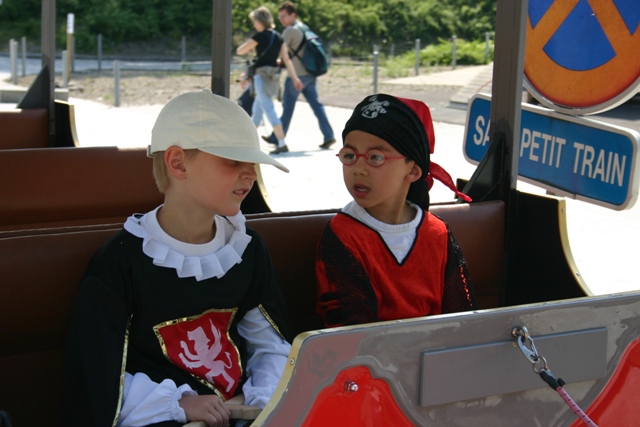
column 458, row 292
column 94, row 377
column 345, row 292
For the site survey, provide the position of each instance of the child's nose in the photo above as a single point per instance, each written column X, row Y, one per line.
column 250, row 171
column 360, row 166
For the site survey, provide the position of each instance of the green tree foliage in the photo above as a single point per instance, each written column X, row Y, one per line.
column 351, row 27
column 19, row 18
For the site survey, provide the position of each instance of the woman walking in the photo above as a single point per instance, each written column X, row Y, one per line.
column 270, row 48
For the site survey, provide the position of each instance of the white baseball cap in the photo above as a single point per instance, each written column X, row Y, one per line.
column 210, row 123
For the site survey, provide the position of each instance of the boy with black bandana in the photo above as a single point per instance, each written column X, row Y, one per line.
column 385, row 256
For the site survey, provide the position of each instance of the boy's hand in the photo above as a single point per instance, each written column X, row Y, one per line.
column 208, row 408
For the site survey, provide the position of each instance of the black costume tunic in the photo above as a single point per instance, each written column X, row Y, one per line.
column 128, row 317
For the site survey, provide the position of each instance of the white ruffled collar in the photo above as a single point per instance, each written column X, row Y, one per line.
column 212, row 259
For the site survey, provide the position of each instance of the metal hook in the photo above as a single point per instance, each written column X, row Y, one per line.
column 522, row 336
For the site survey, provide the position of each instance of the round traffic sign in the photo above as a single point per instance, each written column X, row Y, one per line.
column 582, row 55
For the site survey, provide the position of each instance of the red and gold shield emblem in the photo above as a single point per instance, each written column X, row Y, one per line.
column 201, row 346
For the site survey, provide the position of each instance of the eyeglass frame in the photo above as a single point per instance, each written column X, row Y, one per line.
column 366, row 158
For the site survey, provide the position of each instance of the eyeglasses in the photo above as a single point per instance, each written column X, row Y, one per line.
column 374, row 157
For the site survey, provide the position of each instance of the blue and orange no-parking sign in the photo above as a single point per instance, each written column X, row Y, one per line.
column 582, row 55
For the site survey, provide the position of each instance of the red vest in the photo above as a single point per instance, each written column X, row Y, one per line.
column 412, row 288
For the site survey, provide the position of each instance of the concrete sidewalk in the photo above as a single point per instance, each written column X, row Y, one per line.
column 603, row 242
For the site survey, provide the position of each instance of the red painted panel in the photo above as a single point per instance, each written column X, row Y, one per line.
column 617, row 405
column 372, row 405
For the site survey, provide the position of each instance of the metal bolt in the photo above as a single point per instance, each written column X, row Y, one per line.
column 351, row 386
column 292, row 361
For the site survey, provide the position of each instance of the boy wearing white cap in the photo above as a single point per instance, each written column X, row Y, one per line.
column 182, row 310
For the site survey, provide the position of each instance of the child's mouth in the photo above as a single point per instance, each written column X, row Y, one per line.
column 361, row 190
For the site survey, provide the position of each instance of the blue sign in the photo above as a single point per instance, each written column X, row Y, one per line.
column 572, row 156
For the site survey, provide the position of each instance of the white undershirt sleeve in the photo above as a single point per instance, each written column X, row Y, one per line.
column 267, row 352
column 147, row 402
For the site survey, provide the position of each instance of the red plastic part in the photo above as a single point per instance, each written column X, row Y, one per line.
column 372, row 405
column 617, row 405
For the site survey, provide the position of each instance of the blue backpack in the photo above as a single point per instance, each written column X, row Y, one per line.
column 314, row 58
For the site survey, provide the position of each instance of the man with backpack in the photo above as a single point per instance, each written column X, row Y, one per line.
column 294, row 37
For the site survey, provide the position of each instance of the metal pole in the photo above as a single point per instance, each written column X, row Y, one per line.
column 376, row 53
column 73, row 55
column 487, row 48
column 221, row 48
column 13, row 55
column 453, row 51
column 23, row 43
column 48, row 46
column 184, row 49
column 99, row 52
column 506, row 88
column 506, row 108
column 69, row 42
column 417, row 66
column 116, row 78
column 65, row 68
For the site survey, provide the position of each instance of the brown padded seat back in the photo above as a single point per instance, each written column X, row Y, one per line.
column 40, row 277
column 74, row 186
column 24, row 128
column 40, row 271
column 295, row 238
column 479, row 229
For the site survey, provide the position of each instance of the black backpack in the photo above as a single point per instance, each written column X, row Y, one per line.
column 315, row 59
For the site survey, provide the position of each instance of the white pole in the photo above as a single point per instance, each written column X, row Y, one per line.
column 70, row 19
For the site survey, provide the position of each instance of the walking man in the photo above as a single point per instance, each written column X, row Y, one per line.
column 293, row 36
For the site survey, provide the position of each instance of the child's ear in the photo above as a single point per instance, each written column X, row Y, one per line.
column 414, row 173
column 174, row 159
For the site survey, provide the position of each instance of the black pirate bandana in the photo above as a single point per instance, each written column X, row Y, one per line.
column 389, row 118
column 407, row 126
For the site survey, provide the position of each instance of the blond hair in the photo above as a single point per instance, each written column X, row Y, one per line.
column 263, row 15
column 160, row 174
